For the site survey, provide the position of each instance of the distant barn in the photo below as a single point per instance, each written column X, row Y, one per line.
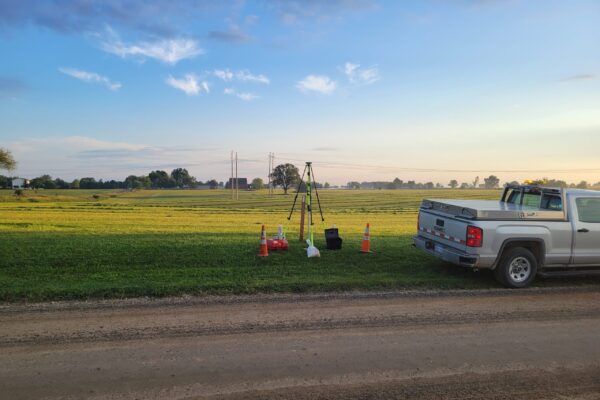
column 242, row 183
column 20, row 183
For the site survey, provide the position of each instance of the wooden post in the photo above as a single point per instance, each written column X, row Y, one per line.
column 302, row 212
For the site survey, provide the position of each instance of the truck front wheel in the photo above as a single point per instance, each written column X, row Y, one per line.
column 517, row 268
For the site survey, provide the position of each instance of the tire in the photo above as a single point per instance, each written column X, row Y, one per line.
column 517, row 268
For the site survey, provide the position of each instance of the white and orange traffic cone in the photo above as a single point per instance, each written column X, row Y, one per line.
column 366, row 242
column 264, row 251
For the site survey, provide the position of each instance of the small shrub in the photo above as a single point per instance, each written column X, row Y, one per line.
column 19, row 193
column 96, row 196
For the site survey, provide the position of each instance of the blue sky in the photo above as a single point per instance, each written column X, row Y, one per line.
column 368, row 90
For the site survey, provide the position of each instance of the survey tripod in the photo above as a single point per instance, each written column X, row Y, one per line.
column 310, row 178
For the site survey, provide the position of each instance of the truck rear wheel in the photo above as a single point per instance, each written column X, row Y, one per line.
column 517, row 268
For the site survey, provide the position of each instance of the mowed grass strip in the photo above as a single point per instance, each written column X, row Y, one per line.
column 77, row 244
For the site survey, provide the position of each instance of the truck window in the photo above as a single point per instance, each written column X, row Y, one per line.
column 514, row 197
column 588, row 209
column 551, row 202
column 532, row 199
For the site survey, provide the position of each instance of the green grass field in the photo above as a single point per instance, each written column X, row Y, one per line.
column 75, row 244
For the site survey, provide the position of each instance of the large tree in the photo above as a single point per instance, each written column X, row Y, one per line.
column 257, row 183
column 491, row 182
column 285, row 175
column 453, row 184
column 182, row 177
column 160, row 179
column 6, row 160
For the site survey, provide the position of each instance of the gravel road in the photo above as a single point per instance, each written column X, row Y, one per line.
column 496, row 344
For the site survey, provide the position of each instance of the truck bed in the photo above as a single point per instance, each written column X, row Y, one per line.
column 490, row 210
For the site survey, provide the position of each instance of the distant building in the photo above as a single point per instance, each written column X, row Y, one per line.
column 242, row 183
column 20, row 183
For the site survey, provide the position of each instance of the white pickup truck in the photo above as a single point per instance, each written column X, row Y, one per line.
column 531, row 230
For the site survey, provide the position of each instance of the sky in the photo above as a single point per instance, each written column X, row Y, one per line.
column 427, row 90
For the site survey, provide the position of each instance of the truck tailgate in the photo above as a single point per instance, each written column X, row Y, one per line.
column 443, row 229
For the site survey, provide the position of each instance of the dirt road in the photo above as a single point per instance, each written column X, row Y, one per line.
column 542, row 343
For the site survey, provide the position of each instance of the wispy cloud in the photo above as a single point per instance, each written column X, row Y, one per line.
column 11, row 88
column 244, row 76
column 79, row 156
column 159, row 18
column 189, row 84
column 360, row 76
column 317, row 83
column 169, row 51
column 234, row 35
column 241, row 95
column 579, row 77
column 91, row 77
column 295, row 11
column 247, row 76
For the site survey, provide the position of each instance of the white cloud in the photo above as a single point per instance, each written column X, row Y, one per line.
column 91, row 77
column 244, row 76
column 247, row 76
column 245, row 96
column 169, row 51
column 189, row 84
column 361, row 76
column 223, row 74
column 317, row 83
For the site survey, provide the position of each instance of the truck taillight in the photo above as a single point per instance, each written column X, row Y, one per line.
column 474, row 236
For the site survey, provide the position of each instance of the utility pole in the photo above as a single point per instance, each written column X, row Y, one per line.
column 231, row 179
column 237, row 182
column 271, row 166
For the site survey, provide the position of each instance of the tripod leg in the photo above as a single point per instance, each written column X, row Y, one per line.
column 317, row 194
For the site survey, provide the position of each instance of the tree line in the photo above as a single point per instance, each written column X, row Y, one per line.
column 178, row 178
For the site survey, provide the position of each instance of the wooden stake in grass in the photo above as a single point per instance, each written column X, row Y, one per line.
column 302, row 213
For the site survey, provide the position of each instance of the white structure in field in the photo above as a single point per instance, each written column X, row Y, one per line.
column 19, row 183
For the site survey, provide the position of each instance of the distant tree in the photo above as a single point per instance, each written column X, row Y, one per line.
column 212, row 183
column 7, row 161
column 5, row 181
column 476, row 182
column 43, row 182
column 464, row 185
column 75, row 184
column 453, row 184
column 439, row 185
column 429, row 185
column 353, row 185
column 61, row 184
column 397, row 183
column 326, row 185
column 182, row 177
column 88, row 183
column 285, row 175
column 491, row 182
column 513, row 183
column 137, row 182
column 582, row 185
column 257, row 183
column 160, row 179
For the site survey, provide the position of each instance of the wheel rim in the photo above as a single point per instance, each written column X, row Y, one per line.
column 520, row 269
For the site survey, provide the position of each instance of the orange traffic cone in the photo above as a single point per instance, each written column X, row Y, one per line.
column 264, row 251
column 366, row 243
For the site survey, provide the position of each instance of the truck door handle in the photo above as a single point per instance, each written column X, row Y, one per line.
column 583, row 230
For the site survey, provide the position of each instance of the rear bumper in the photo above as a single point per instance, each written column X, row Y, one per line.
column 445, row 252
